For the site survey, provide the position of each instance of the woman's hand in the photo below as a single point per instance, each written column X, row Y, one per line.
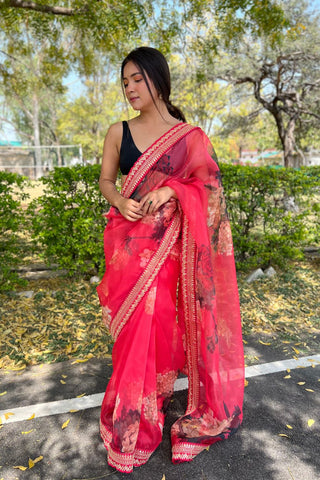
column 152, row 201
column 129, row 209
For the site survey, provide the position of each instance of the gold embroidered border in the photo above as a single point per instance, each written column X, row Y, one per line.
column 152, row 155
column 147, row 277
column 190, row 314
column 184, row 452
column 123, row 461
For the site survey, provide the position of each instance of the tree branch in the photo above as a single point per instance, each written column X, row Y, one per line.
column 38, row 7
column 6, row 120
column 311, row 114
column 244, row 80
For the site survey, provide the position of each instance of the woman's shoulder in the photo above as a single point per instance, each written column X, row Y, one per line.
column 196, row 131
column 115, row 129
column 114, row 134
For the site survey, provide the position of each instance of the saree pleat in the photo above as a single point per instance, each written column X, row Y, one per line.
column 185, row 248
column 141, row 385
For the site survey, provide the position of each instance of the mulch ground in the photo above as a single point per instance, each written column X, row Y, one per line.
column 63, row 319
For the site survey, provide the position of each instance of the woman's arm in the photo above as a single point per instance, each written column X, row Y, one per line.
column 129, row 208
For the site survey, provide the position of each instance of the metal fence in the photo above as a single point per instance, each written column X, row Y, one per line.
column 35, row 162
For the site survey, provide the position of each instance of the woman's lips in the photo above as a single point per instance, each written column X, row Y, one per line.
column 133, row 99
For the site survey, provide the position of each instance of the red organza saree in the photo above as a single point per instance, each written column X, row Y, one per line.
column 169, row 297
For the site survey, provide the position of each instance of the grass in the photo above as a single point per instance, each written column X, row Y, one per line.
column 63, row 320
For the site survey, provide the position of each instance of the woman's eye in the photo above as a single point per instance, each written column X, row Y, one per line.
column 125, row 85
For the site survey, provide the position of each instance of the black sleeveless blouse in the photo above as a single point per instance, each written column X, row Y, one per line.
column 129, row 153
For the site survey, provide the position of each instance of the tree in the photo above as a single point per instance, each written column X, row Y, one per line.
column 86, row 119
column 285, row 77
column 110, row 28
column 113, row 23
column 31, row 70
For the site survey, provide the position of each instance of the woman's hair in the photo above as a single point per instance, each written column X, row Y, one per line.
column 152, row 63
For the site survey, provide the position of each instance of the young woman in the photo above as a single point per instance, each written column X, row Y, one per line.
column 169, row 295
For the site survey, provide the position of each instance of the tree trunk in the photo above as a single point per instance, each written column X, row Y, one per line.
column 36, row 139
column 286, row 136
column 289, row 144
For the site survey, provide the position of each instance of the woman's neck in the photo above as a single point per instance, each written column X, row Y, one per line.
column 157, row 114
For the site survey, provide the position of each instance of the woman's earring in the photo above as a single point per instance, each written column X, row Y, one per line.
column 160, row 96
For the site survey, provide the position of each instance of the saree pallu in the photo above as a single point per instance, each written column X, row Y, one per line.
column 170, row 299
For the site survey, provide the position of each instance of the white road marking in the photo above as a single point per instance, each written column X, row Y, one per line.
column 20, row 414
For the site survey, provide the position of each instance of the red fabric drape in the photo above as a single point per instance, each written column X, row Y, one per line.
column 186, row 244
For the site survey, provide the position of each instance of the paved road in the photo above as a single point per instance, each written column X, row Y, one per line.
column 259, row 451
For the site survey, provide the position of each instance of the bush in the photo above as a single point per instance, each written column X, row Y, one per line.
column 12, row 222
column 271, row 211
column 68, row 220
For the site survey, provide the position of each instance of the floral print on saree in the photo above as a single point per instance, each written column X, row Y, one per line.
column 186, row 244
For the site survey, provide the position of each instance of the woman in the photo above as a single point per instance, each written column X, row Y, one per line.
column 169, row 295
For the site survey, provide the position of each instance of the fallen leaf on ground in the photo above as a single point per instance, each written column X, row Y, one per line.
column 310, row 422
column 32, row 416
column 287, row 376
column 283, row 435
column 8, row 414
column 289, row 426
column 3, row 393
column 29, row 431
column 33, row 462
column 68, row 325
column 309, row 390
column 21, row 467
column 264, row 343
column 301, row 383
column 66, row 423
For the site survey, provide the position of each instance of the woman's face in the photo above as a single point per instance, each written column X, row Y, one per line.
column 136, row 89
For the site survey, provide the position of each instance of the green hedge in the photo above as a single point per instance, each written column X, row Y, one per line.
column 12, row 222
column 264, row 230
column 68, row 221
